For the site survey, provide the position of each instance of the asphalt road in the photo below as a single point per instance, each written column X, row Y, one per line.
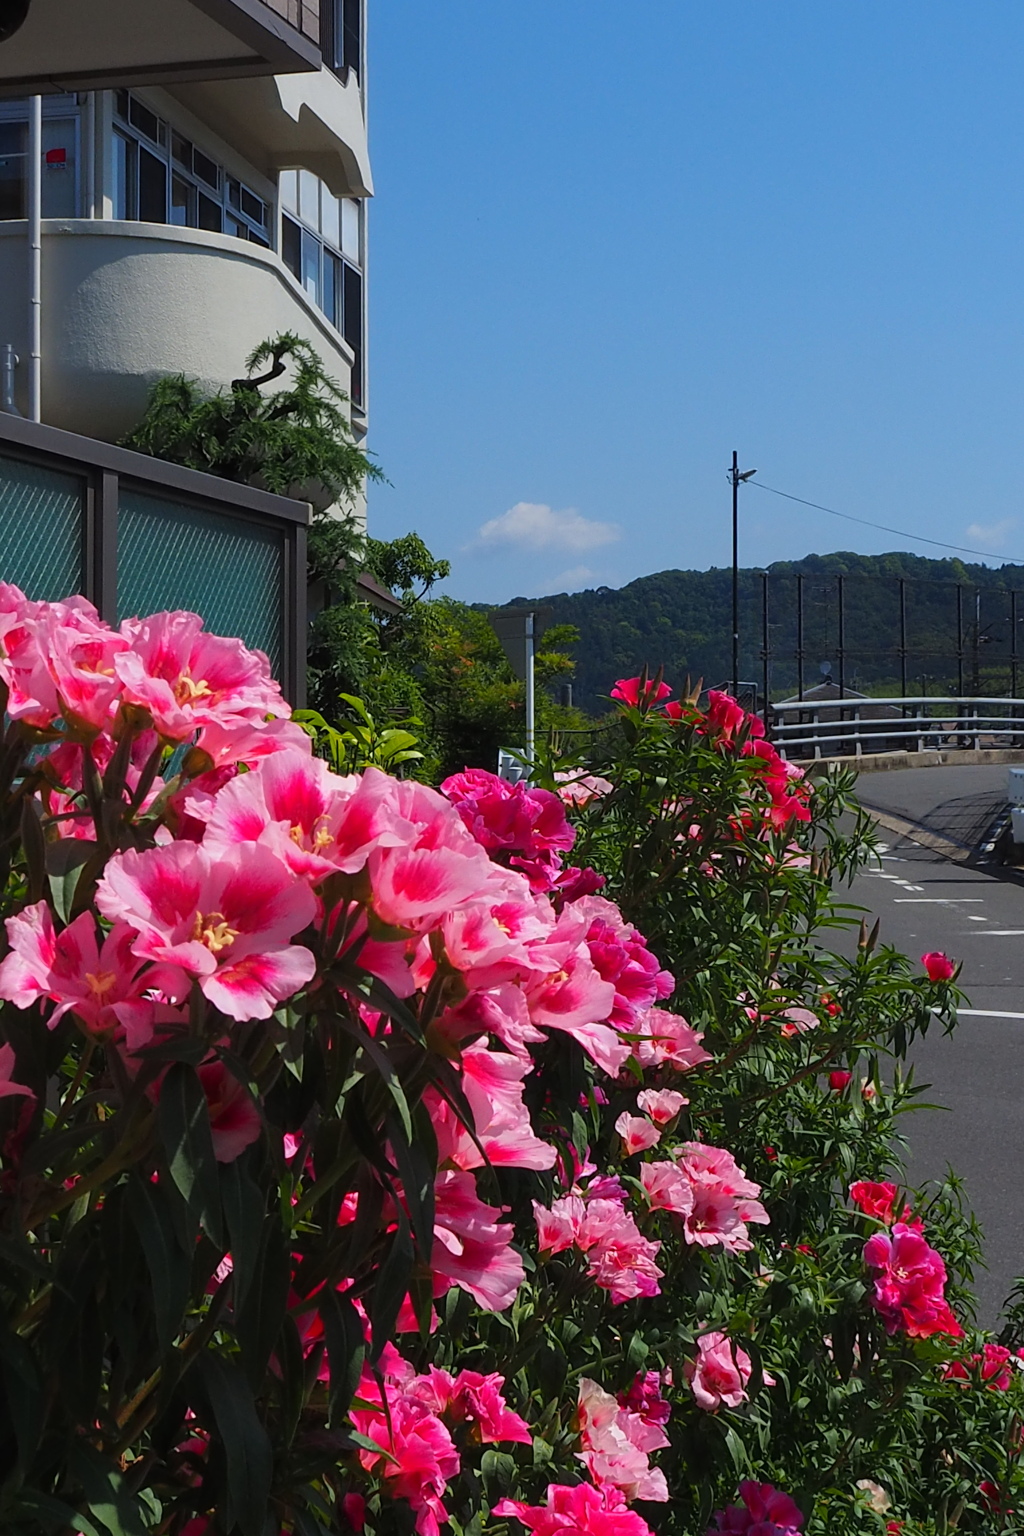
column 926, row 902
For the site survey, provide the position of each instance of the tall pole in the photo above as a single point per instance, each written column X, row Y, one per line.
column 735, row 477
column 35, row 256
column 530, row 701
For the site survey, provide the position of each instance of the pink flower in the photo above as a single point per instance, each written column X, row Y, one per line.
column 473, row 1398
column 723, row 1198
column 725, row 718
column 187, row 678
column 667, row 1188
column 765, row 1511
column 662, row 1104
column 839, row 1080
column 576, row 1511
column 234, row 1119
column 225, row 919
column 665, row 1040
column 519, row 825
column 616, row 1444
column 619, row 1258
column 878, row 1200
column 493, row 1084
column 472, row 1249
column 71, row 968
column 643, row 1396
column 580, row 788
column 993, row 1368
column 909, row 1280
column 558, row 1228
column 637, row 1133
column 720, row 1373
column 621, row 957
column 939, row 966
column 417, row 1455
column 627, row 691
column 9, row 1089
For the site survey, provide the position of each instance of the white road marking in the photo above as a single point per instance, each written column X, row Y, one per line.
column 1005, row 933
column 936, row 901
column 989, row 1013
column 972, row 917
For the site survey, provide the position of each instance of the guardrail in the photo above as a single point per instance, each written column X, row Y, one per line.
column 851, row 727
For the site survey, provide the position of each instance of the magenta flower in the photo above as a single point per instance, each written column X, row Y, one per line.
column 619, row 1258
column 234, row 1119
column 939, row 966
column 187, row 678
column 71, row 968
column 417, row 1455
column 665, row 1040
column 523, row 827
column 909, row 1284
column 9, row 1089
column 577, row 1511
column 621, row 957
column 227, row 920
column 493, row 1084
column 627, row 691
column 471, row 1398
column 765, row 1511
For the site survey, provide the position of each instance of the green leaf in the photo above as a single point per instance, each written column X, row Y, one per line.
column 392, row 1285
column 245, row 1213
column 52, row 1512
column 248, row 1452
column 188, row 1144
column 23, row 1389
column 169, row 1266
column 106, row 1491
column 65, row 861
column 346, row 1348
column 258, row 1322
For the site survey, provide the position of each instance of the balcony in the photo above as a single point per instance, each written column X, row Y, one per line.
column 82, row 45
column 125, row 303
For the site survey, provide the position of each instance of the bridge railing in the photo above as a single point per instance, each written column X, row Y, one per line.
column 851, row 727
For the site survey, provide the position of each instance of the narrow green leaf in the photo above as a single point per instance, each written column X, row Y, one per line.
column 346, row 1348
column 247, row 1450
column 258, row 1322
column 65, row 861
column 53, row 1513
column 107, row 1495
column 392, row 1285
column 169, row 1266
column 188, row 1144
column 245, row 1213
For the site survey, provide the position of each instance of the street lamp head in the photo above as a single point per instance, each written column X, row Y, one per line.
column 746, row 474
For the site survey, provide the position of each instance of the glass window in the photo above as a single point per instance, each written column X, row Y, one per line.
column 125, row 178
column 183, row 202
column 330, row 218
column 288, row 190
column 206, row 169
column 60, row 167
column 210, row 215
column 291, row 247
column 310, row 278
column 333, row 287
column 309, row 199
column 146, row 121
column 152, row 188
column 13, row 137
column 350, row 212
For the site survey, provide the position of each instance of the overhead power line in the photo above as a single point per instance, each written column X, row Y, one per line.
column 900, row 533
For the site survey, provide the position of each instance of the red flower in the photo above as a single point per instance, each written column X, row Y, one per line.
column 837, row 1081
column 627, row 689
column 939, row 966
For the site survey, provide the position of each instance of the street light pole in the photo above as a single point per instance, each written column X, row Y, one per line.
column 737, row 476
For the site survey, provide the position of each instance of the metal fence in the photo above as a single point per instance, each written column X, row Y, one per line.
column 136, row 535
column 805, row 729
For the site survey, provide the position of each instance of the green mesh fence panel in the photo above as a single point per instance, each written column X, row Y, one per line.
column 171, row 555
column 40, row 530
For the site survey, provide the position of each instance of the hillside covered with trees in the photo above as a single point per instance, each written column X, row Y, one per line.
column 681, row 619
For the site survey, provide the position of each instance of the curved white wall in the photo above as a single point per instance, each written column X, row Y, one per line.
column 125, row 303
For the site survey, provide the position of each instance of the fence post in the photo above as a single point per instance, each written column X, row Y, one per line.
column 800, row 637
column 765, row 653
column 842, row 638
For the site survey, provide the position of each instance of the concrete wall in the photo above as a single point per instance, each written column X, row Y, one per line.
column 126, row 303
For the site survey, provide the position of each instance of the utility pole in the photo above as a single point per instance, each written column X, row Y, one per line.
column 737, row 476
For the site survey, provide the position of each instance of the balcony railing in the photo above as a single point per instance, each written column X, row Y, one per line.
column 136, row 535
column 851, row 727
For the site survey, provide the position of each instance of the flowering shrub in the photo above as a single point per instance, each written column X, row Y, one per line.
column 364, row 1169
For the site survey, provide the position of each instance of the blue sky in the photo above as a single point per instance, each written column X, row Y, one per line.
column 613, row 242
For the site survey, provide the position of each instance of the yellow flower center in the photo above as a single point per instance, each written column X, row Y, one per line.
column 213, row 931
column 100, row 985
column 186, row 689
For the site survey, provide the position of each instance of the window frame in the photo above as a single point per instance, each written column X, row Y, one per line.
column 348, row 319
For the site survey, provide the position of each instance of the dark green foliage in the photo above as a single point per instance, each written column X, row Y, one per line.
column 295, row 441
column 681, row 620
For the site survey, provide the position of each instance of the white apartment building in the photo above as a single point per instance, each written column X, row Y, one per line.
column 204, row 183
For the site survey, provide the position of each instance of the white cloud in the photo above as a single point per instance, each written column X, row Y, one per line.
column 533, row 526
column 992, row 534
column 568, row 581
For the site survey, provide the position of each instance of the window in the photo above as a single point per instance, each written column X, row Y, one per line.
column 341, row 42
column 60, row 160
column 321, row 245
column 161, row 177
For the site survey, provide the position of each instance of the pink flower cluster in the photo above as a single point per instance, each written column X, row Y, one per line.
column 617, row 1440
column 765, row 1511
column 411, row 1417
column 581, row 1510
column 992, row 1368
column 909, row 1281
column 619, row 1258
column 705, row 1186
column 520, row 826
